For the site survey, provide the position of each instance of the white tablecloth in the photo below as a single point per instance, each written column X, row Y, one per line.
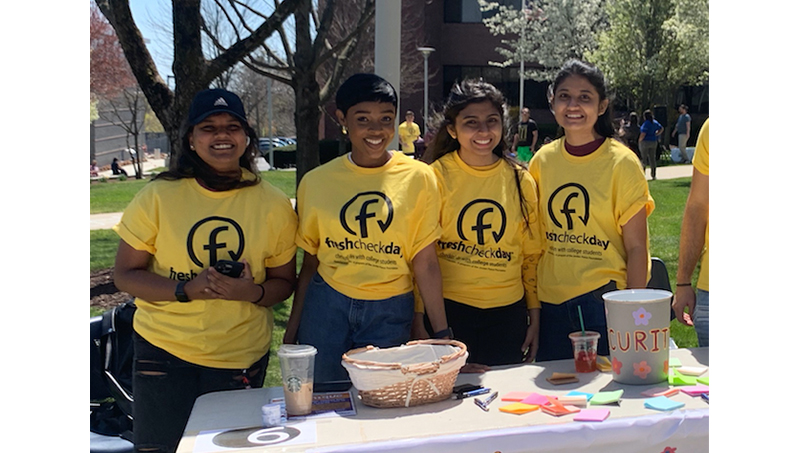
column 459, row 425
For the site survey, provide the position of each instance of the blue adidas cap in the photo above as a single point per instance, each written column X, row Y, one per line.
column 215, row 100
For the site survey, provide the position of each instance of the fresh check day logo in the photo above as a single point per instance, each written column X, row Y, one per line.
column 209, row 240
column 363, row 217
column 568, row 207
column 481, row 225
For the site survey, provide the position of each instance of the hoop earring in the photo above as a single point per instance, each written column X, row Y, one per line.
column 248, row 142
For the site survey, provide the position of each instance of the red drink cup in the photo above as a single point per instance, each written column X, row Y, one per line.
column 584, row 348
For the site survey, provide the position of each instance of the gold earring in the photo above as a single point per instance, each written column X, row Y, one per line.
column 344, row 130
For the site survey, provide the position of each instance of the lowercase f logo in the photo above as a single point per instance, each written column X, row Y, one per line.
column 483, row 209
column 370, row 207
column 565, row 204
column 214, row 235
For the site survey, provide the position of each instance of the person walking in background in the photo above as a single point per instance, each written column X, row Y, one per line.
column 408, row 132
column 195, row 329
column 489, row 206
column 368, row 226
column 525, row 136
column 93, row 170
column 590, row 186
column 649, row 133
column 683, row 128
column 693, row 246
column 630, row 134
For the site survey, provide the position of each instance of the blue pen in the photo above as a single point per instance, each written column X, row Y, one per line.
column 479, row 391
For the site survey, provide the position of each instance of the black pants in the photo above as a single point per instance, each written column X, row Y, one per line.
column 165, row 388
column 493, row 336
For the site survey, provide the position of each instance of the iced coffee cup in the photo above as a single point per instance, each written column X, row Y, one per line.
column 297, row 370
column 584, row 349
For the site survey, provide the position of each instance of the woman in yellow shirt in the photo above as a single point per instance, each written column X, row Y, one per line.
column 490, row 242
column 594, row 203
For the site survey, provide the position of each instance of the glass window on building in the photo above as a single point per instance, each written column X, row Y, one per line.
column 469, row 11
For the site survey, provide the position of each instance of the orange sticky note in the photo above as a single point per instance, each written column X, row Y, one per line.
column 518, row 408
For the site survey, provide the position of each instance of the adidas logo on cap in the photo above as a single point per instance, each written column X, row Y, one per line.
column 221, row 101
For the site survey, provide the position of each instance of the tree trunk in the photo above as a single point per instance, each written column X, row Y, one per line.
column 306, row 92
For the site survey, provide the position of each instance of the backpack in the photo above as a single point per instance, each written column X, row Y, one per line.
column 111, row 371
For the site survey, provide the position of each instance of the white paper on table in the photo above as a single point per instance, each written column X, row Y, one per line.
column 255, row 437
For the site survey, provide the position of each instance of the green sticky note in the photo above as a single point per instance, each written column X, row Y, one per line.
column 703, row 380
column 674, row 361
column 676, row 378
column 606, row 397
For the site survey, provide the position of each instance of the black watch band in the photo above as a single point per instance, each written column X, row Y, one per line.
column 180, row 294
column 448, row 332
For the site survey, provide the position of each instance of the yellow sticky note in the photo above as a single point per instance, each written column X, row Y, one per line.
column 518, row 408
column 603, row 364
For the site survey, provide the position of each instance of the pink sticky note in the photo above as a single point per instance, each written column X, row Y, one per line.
column 515, row 396
column 695, row 390
column 535, row 398
column 592, row 415
column 660, row 391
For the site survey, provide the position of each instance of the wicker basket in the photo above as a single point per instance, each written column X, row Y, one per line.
column 418, row 372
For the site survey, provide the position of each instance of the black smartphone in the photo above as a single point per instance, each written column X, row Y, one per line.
column 463, row 388
column 230, row 268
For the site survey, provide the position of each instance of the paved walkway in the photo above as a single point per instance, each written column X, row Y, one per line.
column 106, row 221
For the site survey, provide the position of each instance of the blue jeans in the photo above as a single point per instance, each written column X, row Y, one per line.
column 700, row 317
column 334, row 323
column 164, row 390
column 556, row 322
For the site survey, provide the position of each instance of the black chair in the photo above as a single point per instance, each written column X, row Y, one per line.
column 104, row 441
column 659, row 279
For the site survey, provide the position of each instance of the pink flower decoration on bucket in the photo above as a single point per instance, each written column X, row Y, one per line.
column 666, row 367
column 670, row 450
column 641, row 317
column 642, row 369
column 616, row 365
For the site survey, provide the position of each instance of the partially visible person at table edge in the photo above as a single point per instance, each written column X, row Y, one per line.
column 594, row 203
column 197, row 330
column 693, row 246
column 366, row 219
column 489, row 205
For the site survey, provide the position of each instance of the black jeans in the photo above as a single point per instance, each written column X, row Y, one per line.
column 493, row 336
column 165, row 388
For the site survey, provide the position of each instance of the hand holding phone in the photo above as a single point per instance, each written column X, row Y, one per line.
column 230, row 268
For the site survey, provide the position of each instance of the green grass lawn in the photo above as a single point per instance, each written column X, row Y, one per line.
column 664, row 223
column 114, row 196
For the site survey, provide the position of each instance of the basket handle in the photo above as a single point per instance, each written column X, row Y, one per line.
column 421, row 368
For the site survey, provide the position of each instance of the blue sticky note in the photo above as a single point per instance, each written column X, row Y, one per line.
column 577, row 393
column 662, row 403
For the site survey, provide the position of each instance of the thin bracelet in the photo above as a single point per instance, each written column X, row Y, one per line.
column 683, row 284
column 261, row 296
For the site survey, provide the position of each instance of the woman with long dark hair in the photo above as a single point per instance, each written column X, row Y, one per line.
column 490, row 242
column 594, row 203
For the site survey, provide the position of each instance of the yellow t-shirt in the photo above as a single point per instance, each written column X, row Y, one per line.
column 187, row 229
column 365, row 225
column 700, row 162
column 407, row 134
column 584, row 202
column 486, row 253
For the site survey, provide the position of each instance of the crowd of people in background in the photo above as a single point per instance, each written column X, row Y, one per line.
column 388, row 238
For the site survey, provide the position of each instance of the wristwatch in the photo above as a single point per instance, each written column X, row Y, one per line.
column 448, row 332
column 180, row 294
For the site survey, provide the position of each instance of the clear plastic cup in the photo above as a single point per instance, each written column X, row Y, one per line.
column 297, row 370
column 584, row 349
